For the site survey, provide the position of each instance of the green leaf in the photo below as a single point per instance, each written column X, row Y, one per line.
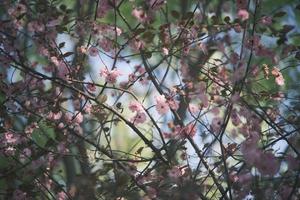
column 188, row 15
column 61, row 45
column 279, row 14
column 43, row 134
column 2, row 98
column 40, row 139
column 68, row 54
column 148, row 36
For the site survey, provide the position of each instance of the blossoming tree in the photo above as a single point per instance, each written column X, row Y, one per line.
column 149, row 99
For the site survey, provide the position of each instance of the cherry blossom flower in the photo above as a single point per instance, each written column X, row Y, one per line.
column 135, row 106
column 143, row 80
column 189, row 130
column 162, row 106
column 10, row 138
column 216, row 124
column 93, row 51
column 26, row 153
column 174, row 173
column 36, row 26
column 139, row 118
column 266, row 20
column 10, row 151
column 243, row 14
column 110, row 76
column 165, row 51
column 62, row 196
column 278, row 76
column 268, row 164
column 78, row 117
column 151, row 192
column 140, row 15
column 104, row 7
column 235, row 118
column 105, row 44
column 245, row 178
column 137, row 44
column 91, row 87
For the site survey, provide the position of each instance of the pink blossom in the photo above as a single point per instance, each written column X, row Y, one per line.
column 68, row 117
column 91, row 87
column 204, row 100
column 132, row 77
column 93, row 51
column 61, row 148
column 10, row 138
column 140, row 69
column 268, row 164
column 278, row 76
column 54, row 116
column 135, row 106
column 139, row 118
column 29, row 129
column 143, row 80
column 245, row 178
column 10, row 151
column 151, row 192
column 78, row 117
column 137, row 44
column 104, row 7
column 62, row 196
column 17, row 10
column 140, row 15
column 165, row 51
column 243, row 14
column 174, row 173
column 106, row 44
column 36, row 26
column 189, row 130
column 234, row 58
column 216, row 124
column 78, row 129
column 279, row 80
column 266, row 20
column 250, row 150
column 110, row 76
column 26, row 153
column 235, row 118
column 162, row 106
column 87, row 108
column 54, row 22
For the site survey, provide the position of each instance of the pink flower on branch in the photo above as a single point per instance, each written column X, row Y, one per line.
column 243, row 14
column 110, row 76
column 162, row 105
column 139, row 118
